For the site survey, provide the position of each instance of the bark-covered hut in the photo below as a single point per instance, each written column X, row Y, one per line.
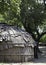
column 16, row 45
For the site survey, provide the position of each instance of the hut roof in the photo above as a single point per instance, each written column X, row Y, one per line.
column 14, row 37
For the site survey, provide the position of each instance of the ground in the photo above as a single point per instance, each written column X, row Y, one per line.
column 40, row 61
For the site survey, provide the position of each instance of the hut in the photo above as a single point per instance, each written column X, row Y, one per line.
column 16, row 45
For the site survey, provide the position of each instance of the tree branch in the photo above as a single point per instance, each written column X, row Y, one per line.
column 41, row 36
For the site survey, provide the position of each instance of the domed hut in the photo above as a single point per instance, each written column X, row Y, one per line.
column 16, row 45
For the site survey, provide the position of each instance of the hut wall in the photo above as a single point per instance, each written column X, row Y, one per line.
column 17, row 54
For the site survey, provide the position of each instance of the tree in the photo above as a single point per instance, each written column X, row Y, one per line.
column 10, row 11
column 33, row 15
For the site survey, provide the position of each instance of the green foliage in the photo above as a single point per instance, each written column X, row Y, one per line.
column 33, row 15
column 43, row 39
column 32, row 12
column 10, row 12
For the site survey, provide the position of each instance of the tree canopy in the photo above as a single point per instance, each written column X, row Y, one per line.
column 33, row 15
column 10, row 11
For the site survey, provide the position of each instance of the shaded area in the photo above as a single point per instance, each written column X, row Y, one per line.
column 42, row 56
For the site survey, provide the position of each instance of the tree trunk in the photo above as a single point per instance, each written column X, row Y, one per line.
column 35, row 52
column 36, row 48
column 38, row 39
